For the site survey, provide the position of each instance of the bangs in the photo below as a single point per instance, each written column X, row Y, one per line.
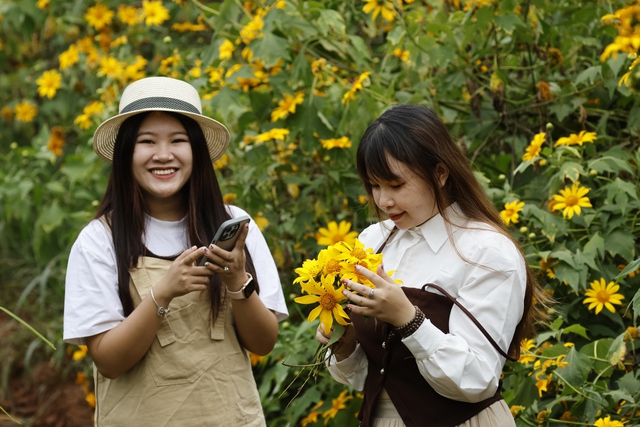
column 374, row 152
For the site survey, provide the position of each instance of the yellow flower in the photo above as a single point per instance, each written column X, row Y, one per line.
column 226, row 49
column 68, row 57
column 534, row 148
column 129, row 15
column 134, row 71
column 119, row 41
column 577, row 139
column 510, row 212
column 255, row 359
column 153, row 12
column 56, row 140
column 81, row 377
column 261, row 221
column 188, row 26
column 328, row 299
column 42, row 4
column 253, row 30
column 402, row 55
column 7, row 114
column 337, row 404
column 287, row 105
column 355, row 87
column 98, row 16
column 222, row 162
column 516, row 410
column 343, row 142
column 110, row 67
column 229, row 198
column 335, row 233
column 311, row 418
column 525, row 350
column 544, row 91
column 602, row 295
column 276, row 133
column 26, row 111
column 80, row 353
column 49, row 83
column 379, row 7
column 310, row 269
column 570, row 200
column 91, row 399
column 606, row 422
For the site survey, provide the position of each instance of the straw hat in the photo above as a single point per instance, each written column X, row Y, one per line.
column 160, row 94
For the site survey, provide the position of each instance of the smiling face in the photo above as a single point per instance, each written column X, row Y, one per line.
column 162, row 163
column 408, row 200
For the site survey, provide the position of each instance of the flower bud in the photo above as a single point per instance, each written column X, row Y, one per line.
column 549, row 126
column 532, row 235
column 593, row 172
column 542, row 162
column 523, row 230
column 502, row 177
column 13, row 145
column 167, row 39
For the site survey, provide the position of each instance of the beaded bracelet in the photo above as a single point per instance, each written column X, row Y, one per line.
column 408, row 329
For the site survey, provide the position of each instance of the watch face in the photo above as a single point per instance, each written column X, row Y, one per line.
column 249, row 289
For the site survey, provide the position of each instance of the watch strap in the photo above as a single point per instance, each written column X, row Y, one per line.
column 245, row 291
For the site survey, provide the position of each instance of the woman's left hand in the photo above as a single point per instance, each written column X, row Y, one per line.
column 230, row 265
column 386, row 302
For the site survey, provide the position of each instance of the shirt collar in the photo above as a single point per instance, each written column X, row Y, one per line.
column 434, row 231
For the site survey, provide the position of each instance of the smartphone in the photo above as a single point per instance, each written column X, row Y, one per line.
column 227, row 234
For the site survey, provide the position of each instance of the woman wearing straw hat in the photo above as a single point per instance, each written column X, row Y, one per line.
column 169, row 337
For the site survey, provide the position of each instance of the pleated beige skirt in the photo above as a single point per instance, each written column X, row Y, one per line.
column 496, row 415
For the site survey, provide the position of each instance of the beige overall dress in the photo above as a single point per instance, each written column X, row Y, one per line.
column 194, row 374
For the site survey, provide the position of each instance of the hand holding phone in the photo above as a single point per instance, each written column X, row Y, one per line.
column 227, row 235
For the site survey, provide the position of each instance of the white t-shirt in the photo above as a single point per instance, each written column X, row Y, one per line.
column 461, row 365
column 92, row 305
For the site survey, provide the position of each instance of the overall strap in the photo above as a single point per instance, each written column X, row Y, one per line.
column 475, row 321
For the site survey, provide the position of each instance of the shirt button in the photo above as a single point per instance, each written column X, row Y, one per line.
column 384, row 344
column 382, row 371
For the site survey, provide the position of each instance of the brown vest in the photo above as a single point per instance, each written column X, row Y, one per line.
column 393, row 366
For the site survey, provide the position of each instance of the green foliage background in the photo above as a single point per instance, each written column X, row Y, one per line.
column 487, row 68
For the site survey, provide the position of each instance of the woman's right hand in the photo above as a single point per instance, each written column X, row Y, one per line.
column 184, row 276
column 344, row 346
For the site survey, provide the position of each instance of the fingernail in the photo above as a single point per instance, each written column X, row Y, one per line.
column 212, row 246
column 204, row 250
column 349, row 307
column 344, row 293
column 345, row 281
column 358, row 267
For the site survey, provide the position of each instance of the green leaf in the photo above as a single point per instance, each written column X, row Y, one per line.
column 270, row 49
column 595, row 245
column 572, row 170
column 562, row 110
column 51, row 217
column 330, row 19
column 578, row 369
column 598, row 350
column 620, row 242
column 589, row 75
column 576, row 329
column 617, row 351
column 632, row 266
column 635, row 303
column 509, row 22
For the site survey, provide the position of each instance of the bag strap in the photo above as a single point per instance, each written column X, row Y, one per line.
column 460, row 306
column 475, row 321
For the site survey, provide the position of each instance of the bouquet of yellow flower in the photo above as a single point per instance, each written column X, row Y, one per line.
column 321, row 280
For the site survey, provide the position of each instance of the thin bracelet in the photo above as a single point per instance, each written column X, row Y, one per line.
column 407, row 330
column 161, row 310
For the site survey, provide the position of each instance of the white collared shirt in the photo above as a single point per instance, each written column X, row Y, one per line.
column 491, row 282
column 92, row 304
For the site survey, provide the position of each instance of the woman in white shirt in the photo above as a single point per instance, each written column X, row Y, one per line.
column 169, row 338
column 435, row 353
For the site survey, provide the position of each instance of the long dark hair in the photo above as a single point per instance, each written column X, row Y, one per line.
column 124, row 208
column 415, row 136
